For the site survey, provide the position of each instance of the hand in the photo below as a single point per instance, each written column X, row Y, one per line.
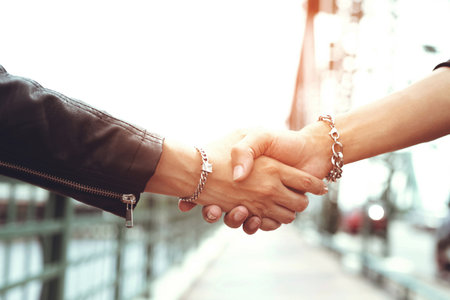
column 307, row 149
column 261, row 140
column 235, row 218
column 179, row 167
column 265, row 192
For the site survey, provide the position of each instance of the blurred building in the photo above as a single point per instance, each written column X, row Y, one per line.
column 355, row 52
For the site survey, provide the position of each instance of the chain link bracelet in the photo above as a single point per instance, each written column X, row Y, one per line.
column 206, row 169
column 337, row 158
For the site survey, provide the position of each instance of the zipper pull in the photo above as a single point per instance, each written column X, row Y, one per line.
column 129, row 200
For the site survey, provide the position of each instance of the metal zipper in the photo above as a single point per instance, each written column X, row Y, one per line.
column 128, row 199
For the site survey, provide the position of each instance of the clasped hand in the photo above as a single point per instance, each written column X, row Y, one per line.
column 260, row 177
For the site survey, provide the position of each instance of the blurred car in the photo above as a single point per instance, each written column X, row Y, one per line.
column 425, row 220
column 375, row 214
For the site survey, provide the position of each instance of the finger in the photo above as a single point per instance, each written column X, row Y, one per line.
column 211, row 213
column 302, row 181
column 268, row 224
column 246, row 150
column 292, row 200
column 236, row 217
column 280, row 214
column 185, row 206
column 252, row 224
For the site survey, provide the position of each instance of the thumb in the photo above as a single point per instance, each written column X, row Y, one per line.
column 185, row 206
column 243, row 153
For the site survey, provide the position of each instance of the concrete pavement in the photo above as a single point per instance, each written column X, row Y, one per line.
column 277, row 265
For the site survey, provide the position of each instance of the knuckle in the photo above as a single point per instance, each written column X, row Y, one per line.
column 240, row 151
column 307, row 183
column 268, row 189
column 269, row 167
column 237, row 149
column 302, row 203
column 255, row 208
column 290, row 218
column 299, row 206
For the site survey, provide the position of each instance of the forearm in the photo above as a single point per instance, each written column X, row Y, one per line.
column 417, row 114
column 265, row 193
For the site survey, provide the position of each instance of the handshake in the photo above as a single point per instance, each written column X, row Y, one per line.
column 259, row 177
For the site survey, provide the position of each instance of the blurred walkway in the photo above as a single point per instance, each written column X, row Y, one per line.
column 277, row 265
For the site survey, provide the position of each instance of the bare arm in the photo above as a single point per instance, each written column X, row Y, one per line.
column 264, row 193
column 417, row 114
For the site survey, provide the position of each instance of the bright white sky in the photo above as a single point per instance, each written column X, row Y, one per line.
column 185, row 69
column 196, row 69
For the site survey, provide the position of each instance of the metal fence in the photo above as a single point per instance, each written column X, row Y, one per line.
column 52, row 247
column 376, row 267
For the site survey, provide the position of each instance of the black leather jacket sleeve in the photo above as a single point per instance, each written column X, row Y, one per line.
column 69, row 147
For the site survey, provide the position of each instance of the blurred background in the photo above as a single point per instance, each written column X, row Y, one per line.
column 195, row 70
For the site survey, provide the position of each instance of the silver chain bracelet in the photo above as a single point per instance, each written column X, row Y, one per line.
column 206, row 169
column 337, row 159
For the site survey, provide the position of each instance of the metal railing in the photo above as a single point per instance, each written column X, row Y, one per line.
column 51, row 247
column 403, row 285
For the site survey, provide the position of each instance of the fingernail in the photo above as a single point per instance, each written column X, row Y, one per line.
column 210, row 216
column 255, row 224
column 238, row 172
column 238, row 216
column 325, row 190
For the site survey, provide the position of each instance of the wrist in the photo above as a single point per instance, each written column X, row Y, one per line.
column 177, row 172
column 317, row 149
column 206, row 170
